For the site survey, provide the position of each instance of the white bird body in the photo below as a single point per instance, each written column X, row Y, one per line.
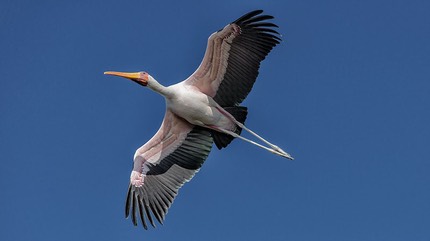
column 201, row 110
column 197, row 108
column 189, row 103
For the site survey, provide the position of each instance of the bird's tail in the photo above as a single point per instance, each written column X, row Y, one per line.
column 239, row 113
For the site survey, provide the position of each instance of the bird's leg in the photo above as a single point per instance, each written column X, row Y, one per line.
column 274, row 147
column 283, row 154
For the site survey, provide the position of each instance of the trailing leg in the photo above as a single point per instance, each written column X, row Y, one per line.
column 242, row 126
column 234, row 135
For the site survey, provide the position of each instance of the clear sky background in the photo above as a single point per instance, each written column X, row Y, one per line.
column 347, row 93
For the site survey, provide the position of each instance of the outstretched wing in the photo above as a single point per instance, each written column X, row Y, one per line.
column 232, row 58
column 163, row 165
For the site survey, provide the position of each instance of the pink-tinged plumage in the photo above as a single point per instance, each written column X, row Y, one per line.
column 201, row 110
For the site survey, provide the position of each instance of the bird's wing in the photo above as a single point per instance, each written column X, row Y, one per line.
column 163, row 165
column 232, row 58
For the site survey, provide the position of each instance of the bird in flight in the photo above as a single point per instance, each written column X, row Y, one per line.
column 201, row 110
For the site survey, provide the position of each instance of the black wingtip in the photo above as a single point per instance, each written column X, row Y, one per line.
column 128, row 202
column 248, row 15
column 133, row 211
column 142, row 219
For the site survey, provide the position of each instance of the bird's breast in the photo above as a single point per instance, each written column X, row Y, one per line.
column 195, row 107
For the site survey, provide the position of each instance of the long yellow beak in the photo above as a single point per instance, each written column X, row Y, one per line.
column 132, row 76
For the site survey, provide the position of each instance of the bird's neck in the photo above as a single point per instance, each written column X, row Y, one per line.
column 159, row 88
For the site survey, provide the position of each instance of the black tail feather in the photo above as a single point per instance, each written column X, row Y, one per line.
column 239, row 113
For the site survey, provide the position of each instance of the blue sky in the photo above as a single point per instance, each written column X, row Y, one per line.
column 347, row 93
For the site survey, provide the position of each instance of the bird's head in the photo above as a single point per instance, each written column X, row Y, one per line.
column 141, row 78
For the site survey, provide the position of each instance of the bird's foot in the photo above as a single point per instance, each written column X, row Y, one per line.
column 279, row 151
